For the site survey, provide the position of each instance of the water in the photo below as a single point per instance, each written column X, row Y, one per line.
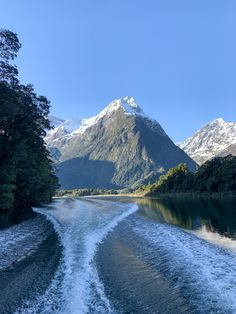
column 76, row 287
column 172, row 256
column 124, row 256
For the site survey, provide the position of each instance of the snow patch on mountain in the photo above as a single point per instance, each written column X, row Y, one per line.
column 75, row 127
column 215, row 137
column 62, row 128
column 127, row 104
column 55, row 122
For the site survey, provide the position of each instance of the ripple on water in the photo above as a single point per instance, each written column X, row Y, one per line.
column 152, row 267
column 115, row 261
column 81, row 226
column 31, row 256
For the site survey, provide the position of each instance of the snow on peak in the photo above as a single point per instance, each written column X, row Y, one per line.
column 66, row 130
column 219, row 121
column 61, row 128
column 130, row 106
column 210, row 140
column 71, row 125
column 55, row 122
column 127, row 104
column 68, row 125
column 69, row 128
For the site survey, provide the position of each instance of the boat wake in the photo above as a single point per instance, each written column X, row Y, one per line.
column 20, row 241
column 144, row 266
column 81, row 226
column 203, row 272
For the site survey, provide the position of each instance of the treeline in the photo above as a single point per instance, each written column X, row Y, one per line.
column 216, row 175
column 84, row 192
column 26, row 173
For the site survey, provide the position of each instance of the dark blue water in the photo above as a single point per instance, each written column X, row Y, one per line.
column 126, row 256
column 172, row 256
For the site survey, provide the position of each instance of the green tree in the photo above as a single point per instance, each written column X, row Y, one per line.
column 177, row 179
column 26, row 173
column 216, row 175
column 9, row 47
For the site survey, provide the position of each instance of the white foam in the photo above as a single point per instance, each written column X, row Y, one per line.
column 207, row 272
column 92, row 240
column 21, row 240
column 82, row 226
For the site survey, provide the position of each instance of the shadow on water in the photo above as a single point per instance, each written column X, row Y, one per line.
column 216, row 215
column 10, row 218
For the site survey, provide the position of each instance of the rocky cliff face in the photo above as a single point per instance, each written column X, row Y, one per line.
column 217, row 138
column 115, row 149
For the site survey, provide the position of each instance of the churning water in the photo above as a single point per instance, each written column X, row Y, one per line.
column 125, row 257
column 81, row 226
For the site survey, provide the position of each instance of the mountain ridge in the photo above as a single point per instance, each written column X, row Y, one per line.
column 216, row 138
column 129, row 145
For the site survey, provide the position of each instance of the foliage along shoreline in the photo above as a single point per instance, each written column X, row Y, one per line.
column 188, row 195
column 214, row 179
column 27, row 176
column 78, row 193
column 84, row 192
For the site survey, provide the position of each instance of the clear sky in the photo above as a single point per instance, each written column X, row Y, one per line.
column 176, row 57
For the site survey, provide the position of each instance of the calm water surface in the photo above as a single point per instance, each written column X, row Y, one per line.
column 217, row 217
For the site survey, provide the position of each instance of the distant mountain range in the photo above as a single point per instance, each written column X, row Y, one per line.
column 118, row 148
column 216, row 138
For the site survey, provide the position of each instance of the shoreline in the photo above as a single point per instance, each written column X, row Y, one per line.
column 215, row 195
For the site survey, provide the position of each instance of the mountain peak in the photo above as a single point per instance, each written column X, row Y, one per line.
column 128, row 104
column 217, row 121
column 212, row 139
column 55, row 121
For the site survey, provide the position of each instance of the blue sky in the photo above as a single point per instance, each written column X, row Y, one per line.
column 176, row 57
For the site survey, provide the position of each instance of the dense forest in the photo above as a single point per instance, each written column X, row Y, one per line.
column 26, row 171
column 84, row 192
column 216, row 175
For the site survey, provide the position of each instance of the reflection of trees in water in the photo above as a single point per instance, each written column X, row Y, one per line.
column 218, row 215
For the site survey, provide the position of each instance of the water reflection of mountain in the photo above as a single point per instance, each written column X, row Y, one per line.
column 217, row 215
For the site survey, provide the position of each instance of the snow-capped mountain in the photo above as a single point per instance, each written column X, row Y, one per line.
column 127, row 104
column 78, row 126
column 55, row 122
column 62, row 129
column 216, row 138
column 116, row 148
column 65, row 129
